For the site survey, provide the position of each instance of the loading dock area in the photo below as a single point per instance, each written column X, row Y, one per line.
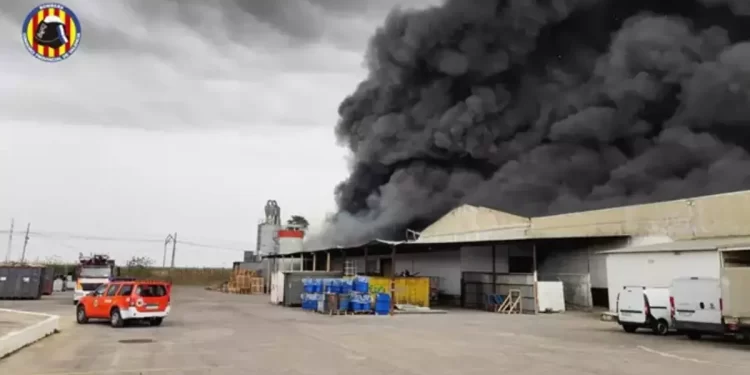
column 217, row 333
column 475, row 275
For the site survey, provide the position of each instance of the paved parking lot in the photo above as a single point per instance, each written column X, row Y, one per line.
column 11, row 321
column 214, row 333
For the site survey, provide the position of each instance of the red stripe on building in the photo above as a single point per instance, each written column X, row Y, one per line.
column 291, row 234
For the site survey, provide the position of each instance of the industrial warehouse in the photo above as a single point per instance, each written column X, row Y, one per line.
column 583, row 259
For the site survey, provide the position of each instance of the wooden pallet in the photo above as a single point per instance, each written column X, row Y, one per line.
column 361, row 312
column 246, row 285
column 334, row 312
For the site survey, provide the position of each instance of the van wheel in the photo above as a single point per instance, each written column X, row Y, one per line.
column 155, row 322
column 694, row 335
column 115, row 319
column 81, row 316
column 661, row 327
column 629, row 328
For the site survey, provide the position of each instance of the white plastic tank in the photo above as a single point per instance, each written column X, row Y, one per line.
column 290, row 241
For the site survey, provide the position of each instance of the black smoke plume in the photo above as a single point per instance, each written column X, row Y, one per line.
column 544, row 106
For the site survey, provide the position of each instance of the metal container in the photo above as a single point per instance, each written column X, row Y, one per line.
column 412, row 290
column 48, row 278
column 293, row 284
column 21, row 282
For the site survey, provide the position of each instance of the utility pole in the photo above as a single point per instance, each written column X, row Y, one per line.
column 164, row 256
column 174, row 247
column 10, row 240
column 25, row 242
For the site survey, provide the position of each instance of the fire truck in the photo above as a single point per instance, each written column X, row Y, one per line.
column 92, row 271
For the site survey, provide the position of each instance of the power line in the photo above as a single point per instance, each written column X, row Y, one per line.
column 93, row 237
column 73, row 236
column 86, row 237
column 83, row 236
column 190, row 243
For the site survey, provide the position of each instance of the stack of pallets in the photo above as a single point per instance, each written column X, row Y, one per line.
column 245, row 282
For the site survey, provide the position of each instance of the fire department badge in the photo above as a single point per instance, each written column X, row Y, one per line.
column 51, row 32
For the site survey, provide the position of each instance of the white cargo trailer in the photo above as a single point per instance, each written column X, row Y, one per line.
column 735, row 289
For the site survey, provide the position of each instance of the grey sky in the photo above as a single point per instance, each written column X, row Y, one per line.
column 177, row 116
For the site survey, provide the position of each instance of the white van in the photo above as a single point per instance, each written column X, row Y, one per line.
column 696, row 304
column 642, row 307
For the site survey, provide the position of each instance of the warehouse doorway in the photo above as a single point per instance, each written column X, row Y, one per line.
column 386, row 266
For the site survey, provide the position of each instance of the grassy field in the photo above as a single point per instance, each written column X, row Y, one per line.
column 178, row 276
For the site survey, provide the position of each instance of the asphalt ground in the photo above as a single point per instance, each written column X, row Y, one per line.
column 215, row 333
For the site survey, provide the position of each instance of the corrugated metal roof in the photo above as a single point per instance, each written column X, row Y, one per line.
column 686, row 245
column 309, row 251
column 708, row 216
column 685, row 220
column 469, row 223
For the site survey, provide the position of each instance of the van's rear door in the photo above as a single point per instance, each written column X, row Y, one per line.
column 632, row 305
column 154, row 297
column 658, row 303
column 697, row 300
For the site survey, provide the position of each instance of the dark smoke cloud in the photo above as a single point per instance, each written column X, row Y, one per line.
column 546, row 106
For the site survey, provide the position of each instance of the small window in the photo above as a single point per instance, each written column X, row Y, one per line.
column 99, row 290
column 126, row 290
column 112, row 291
column 151, row 290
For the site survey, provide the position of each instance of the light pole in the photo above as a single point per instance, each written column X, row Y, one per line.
column 164, row 257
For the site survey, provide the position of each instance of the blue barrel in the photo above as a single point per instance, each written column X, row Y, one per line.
column 357, row 305
column 317, row 285
column 336, row 286
column 362, row 285
column 346, row 286
column 382, row 304
column 344, row 302
column 308, row 285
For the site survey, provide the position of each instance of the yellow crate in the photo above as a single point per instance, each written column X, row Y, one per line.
column 409, row 290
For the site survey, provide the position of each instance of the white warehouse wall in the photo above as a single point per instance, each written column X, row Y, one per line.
column 657, row 269
column 479, row 259
column 443, row 264
column 564, row 262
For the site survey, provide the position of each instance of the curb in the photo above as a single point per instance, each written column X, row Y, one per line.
column 20, row 339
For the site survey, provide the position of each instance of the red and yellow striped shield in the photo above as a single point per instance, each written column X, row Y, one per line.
column 51, row 32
